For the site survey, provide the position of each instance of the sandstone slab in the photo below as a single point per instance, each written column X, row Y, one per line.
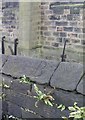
column 18, row 66
column 38, row 70
column 45, row 71
column 68, row 98
column 67, row 76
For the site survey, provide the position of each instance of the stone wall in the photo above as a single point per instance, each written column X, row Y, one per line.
column 62, row 21
column 44, row 27
column 66, row 77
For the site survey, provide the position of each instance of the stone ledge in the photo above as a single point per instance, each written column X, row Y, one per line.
column 63, row 75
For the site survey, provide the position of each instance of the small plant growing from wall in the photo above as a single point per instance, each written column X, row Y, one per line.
column 46, row 98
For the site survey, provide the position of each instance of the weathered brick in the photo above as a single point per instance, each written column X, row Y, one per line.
column 44, row 28
column 62, row 34
column 58, row 10
column 73, row 23
column 51, row 38
column 80, row 23
column 53, row 17
column 72, row 35
column 75, row 10
column 56, row 34
column 44, row 7
column 66, row 11
column 81, row 36
column 55, row 44
column 69, row 17
column 49, row 23
column 60, row 39
column 68, row 29
column 61, row 23
column 83, row 30
column 47, row 43
column 59, row 28
column 75, row 41
column 77, row 30
column 47, row 33
column 52, row 27
column 63, row 17
column 83, row 42
column 48, row 11
column 76, row 17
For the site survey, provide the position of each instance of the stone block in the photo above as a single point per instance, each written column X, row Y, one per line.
column 73, row 23
column 58, row 10
column 55, row 44
column 82, row 42
column 78, row 30
column 18, row 66
column 52, row 28
column 83, row 30
column 69, row 17
column 76, row 17
column 15, row 97
column 53, row 17
column 75, row 40
column 44, row 71
column 47, row 33
column 68, row 98
column 44, row 110
column 80, row 87
column 68, row 29
column 56, row 34
column 59, row 28
column 61, row 23
column 63, row 34
column 51, row 38
column 75, row 10
column 64, row 17
column 59, row 40
column 66, row 11
column 44, row 28
column 20, row 87
column 67, row 76
column 14, row 110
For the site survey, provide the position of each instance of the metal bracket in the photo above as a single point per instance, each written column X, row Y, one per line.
column 63, row 56
column 13, row 52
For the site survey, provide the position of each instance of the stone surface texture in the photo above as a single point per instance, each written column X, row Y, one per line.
column 63, row 79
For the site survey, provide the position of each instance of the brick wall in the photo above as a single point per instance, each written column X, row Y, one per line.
column 62, row 21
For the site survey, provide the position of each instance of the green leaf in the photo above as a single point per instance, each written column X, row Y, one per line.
column 63, row 108
column 65, row 118
column 49, row 103
column 60, row 106
column 71, row 108
column 46, row 102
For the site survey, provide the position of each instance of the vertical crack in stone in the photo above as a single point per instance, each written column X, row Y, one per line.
column 54, row 72
column 80, row 80
column 5, row 61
